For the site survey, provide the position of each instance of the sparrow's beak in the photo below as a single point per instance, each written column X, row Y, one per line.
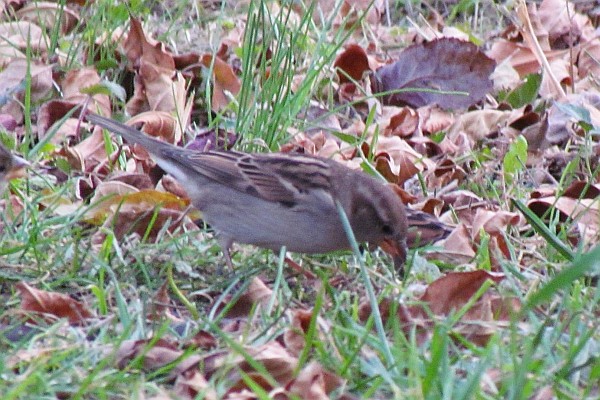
column 397, row 249
column 17, row 169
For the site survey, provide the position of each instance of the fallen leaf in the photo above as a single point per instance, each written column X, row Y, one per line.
column 257, row 294
column 423, row 70
column 351, row 64
column 190, row 384
column 293, row 337
column 225, row 82
column 452, row 291
column 154, row 355
column 19, row 35
column 314, row 383
column 47, row 15
column 49, row 303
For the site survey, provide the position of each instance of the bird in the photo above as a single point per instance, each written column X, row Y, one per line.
column 272, row 200
column 11, row 166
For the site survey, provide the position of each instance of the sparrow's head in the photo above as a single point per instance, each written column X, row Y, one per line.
column 11, row 167
column 381, row 221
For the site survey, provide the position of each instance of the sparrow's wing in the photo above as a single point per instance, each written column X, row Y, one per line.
column 271, row 177
column 239, row 171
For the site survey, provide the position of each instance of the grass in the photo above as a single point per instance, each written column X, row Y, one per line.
column 553, row 343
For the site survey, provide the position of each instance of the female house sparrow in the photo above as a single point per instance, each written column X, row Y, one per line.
column 11, row 167
column 275, row 200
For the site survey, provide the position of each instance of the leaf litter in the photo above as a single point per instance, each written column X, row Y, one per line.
column 448, row 120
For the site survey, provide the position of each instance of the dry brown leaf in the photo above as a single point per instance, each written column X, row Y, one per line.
column 112, row 196
column 489, row 313
column 155, row 354
column 585, row 213
column 562, row 126
column 138, row 48
column 352, row 10
column 582, row 190
column 454, row 290
column 138, row 103
column 319, row 144
column 9, row 208
column 383, row 166
column 426, row 147
column 52, row 111
column 351, row 64
column 478, row 124
column 588, row 61
column 561, row 69
column 46, row 14
column 145, row 213
column 403, row 161
column 159, row 124
column 225, row 82
column 257, row 294
column 314, row 383
column 449, row 294
column 137, row 180
column 539, row 46
column 13, row 84
column 444, row 64
column 171, row 185
column 157, row 85
column 404, row 124
column 49, row 303
column 444, row 173
column 191, row 384
column 563, row 30
column 213, row 139
column 348, row 13
column 12, row 78
column 458, row 246
column 20, row 35
column 77, row 79
column 203, row 340
column 86, row 155
column 277, row 361
column 505, row 77
column 241, row 390
column 520, row 56
column 111, row 188
column 493, row 222
column 433, row 119
column 8, row 122
column 66, row 132
column 293, row 337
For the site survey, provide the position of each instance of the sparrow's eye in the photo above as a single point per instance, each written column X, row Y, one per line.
column 386, row 229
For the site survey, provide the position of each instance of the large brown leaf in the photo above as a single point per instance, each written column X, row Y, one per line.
column 441, row 65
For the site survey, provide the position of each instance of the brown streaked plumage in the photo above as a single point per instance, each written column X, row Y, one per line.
column 275, row 200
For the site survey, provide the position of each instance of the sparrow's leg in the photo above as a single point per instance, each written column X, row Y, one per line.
column 226, row 244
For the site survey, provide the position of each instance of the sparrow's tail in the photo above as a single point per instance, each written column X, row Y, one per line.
column 170, row 158
column 130, row 134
